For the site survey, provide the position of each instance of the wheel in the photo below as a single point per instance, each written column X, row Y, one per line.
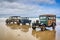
column 6, row 21
column 13, row 22
column 53, row 26
column 29, row 23
column 33, row 28
column 9, row 23
column 43, row 28
column 18, row 23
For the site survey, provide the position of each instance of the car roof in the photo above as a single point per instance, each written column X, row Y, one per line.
column 14, row 16
column 24, row 17
column 48, row 15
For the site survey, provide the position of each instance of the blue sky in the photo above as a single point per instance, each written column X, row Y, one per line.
column 30, row 8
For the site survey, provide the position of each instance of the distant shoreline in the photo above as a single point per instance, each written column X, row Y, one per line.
column 29, row 17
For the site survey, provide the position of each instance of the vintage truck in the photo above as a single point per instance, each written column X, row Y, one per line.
column 45, row 21
column 13, row 19
column 18, row 20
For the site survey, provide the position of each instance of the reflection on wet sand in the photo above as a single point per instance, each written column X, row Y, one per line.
column 13, row 26
column 25, row 32
column 16, row 32
column 24, row 28
column 44, row 35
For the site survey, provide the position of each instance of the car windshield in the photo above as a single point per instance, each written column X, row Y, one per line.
column 43, row 17
column 14, row 17
column 24, row 18
column 51, row 18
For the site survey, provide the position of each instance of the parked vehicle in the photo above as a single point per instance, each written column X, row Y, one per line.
column 25, row 20
column 45, row 21
column 18, row 20
column 13, row 19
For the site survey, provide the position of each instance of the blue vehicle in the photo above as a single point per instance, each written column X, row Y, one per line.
column 25, row 20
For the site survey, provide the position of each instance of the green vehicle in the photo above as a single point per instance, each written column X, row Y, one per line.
column 45, row 21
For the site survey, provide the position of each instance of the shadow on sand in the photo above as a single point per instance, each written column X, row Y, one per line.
column 24, row 28
column 44, row 35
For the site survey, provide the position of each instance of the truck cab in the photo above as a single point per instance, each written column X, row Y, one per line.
column 45, row 21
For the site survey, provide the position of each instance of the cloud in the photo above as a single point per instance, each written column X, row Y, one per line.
column 45, row 1
column 7, row 0
column 25, row 9
column 33, row 1
column 16, row 8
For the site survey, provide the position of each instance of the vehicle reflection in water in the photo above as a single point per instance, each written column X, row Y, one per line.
column 44, row 35
column 24, row 28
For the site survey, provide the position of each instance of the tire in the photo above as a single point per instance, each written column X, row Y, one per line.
column 53, row 26
column 6, row 22
column 43, row 28
column 33, row 28
column 29, row 23
column 18, row 23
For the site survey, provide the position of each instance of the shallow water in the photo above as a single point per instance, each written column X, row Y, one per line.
column 25, row 32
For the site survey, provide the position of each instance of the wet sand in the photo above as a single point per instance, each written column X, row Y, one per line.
column 25, row 32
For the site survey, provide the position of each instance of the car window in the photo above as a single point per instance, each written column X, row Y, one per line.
column 42, row 20
column 24, row 18
column 51, row 18
column 42, row 17
column 14, row 17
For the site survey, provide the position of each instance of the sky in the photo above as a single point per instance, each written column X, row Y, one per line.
column 29, row 8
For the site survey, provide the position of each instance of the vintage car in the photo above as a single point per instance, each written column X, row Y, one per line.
column 45, row 21
column 18, row 20
column 13, row 19
column 25, row 20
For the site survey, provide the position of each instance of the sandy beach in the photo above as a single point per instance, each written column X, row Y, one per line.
column 25, row 32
